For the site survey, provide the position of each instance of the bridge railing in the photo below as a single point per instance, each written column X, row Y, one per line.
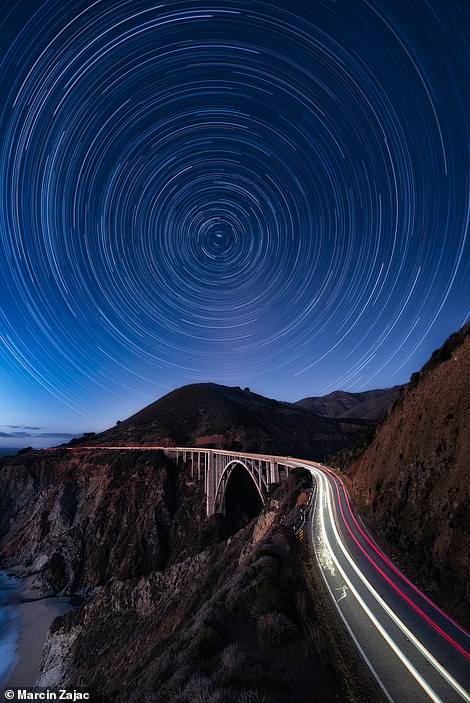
column 214, row 466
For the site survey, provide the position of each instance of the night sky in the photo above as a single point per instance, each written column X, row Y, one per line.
column 264, row 194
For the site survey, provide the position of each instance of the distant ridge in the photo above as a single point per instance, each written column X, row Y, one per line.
column 367, row 405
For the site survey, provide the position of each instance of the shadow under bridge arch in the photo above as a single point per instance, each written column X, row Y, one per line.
column 240, row 494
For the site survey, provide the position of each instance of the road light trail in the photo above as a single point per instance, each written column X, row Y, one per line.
column 330, row 521
column 415, row 651
column 434, row 697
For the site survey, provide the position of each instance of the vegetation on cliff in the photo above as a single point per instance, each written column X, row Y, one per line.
column 412, row 481
column 174, row 608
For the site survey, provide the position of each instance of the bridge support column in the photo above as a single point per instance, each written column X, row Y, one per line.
column 211, row 479
column 274, row 472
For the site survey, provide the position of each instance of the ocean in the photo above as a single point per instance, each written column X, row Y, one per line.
column 9, row 620
column 9, row 625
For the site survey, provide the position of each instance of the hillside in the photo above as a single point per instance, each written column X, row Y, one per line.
column 211, row 415
column 413, row 480
column 368, row 405
column 170, row 609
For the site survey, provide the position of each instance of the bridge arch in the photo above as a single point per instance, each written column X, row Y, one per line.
column 258, row 483
column 216, row 468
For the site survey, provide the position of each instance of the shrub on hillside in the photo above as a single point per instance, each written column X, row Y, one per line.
column 200, row 689
column 206, row 642
column 271, row 597
column 265, row 549
column 275, row 629
column 266, row 565
column 235, row 659
column 197, row 690
column 234, row 695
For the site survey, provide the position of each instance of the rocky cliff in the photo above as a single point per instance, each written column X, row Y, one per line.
column 172, row 608
column 79, row 520
column 413, row 480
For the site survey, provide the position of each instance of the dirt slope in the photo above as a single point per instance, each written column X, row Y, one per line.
column 413, row 480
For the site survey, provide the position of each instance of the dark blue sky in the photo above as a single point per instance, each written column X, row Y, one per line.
column 272, row 194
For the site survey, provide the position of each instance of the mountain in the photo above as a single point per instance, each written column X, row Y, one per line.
column 368, row 405
column 412, row 483
column 211, row 415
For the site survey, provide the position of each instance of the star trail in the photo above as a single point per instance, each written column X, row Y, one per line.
column 273, row 194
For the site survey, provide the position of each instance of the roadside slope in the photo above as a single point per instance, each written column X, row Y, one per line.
column 413, row 480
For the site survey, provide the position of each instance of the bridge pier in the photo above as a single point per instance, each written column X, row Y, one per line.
column 215, row 467
column 211, row 478
column 273, row 471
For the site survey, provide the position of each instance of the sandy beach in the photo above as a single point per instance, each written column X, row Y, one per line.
column 36, row 617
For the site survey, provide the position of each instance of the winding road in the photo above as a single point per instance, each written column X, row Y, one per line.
column 415, row 651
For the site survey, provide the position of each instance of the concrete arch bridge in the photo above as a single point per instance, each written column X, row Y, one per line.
column 220, row 469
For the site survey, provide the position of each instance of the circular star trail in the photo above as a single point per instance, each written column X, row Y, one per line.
column 230, row 191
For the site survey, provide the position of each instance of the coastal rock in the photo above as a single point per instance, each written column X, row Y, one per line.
column 261, row 528
column 262, row 525
column 77, row 521
column 56, row 653
column 198, row 627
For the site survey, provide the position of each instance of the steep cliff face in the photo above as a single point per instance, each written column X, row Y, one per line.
column 413, row 480
column 78, row 520
column 172, row 609
column 190, row 631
